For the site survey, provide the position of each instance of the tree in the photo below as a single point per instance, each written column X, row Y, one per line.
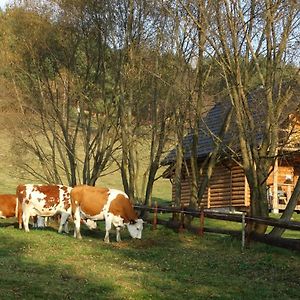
column 250, row 42
column 149, row 73
column 60, row 80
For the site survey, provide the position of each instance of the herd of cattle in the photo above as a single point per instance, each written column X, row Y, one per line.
column 84, row 204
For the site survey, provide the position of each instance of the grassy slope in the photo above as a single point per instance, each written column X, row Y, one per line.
column 11, row 176
column 163, row 265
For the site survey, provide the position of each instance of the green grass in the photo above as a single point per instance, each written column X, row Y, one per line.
column 214, row 223
column 9, row 176
column 237, row 226
column 163, row 265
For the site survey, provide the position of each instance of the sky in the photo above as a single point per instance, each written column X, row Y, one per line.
column 3, row 3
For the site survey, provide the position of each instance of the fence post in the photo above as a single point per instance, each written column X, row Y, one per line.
column 201, row 228
column 243, row 231
column 181, row 225
column 155, row 217
column 248, row 230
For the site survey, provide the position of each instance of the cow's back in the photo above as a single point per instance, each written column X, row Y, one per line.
column 47, row 199
column 91, row 200
column 8, row 204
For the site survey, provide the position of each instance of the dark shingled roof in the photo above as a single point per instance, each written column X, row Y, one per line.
column 211, row 122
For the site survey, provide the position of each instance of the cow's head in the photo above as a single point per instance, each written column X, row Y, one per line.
column 91, row 224
column 135, row 229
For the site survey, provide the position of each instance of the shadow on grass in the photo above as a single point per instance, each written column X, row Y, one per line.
column 186, row 266
column 99, row 232
column 163, row 265
column 23, row 278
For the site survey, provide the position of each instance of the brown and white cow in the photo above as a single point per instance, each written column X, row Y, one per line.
column 8, row 206
column 113, row 206
column 45, row 201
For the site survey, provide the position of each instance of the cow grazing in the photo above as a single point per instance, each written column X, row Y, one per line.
column 8, row 206
column 45, row 201
column 113, row 206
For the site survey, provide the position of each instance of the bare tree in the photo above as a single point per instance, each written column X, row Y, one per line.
column 249, row 40
column 68, row 111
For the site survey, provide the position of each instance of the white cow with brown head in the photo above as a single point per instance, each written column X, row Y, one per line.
column 44, row 200
column 111, row 205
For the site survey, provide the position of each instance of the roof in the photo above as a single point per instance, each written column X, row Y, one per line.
column 212, row 122
column 210, row 128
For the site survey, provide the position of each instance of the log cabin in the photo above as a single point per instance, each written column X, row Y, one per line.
column 228, row 188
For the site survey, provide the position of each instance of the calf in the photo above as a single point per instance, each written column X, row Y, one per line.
column 8, row 206
column 45, row 201
column 111, row 205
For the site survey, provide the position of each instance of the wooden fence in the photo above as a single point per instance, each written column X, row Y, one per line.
column 233, row 217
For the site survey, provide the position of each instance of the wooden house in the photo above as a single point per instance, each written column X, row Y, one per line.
column 228, row 188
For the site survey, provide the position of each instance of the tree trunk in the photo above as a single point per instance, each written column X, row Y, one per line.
column 258, row 196
column 289, row 210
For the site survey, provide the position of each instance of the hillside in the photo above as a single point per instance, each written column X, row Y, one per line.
column 12, row 175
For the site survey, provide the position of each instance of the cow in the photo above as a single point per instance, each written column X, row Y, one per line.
column 111, row 205
column 45, row 201
column 8, row 206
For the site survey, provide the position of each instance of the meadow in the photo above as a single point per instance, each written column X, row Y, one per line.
column 43, row 264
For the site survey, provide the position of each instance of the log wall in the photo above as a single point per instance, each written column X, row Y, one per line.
column 227, row 188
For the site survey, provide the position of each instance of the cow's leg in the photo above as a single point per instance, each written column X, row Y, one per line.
column 19, row 213
column 119, row 224
column 20, row 218
column 76, row 217
column 64, row 223
column 108, row 222
column 38, row 222
column 66, row 227
column 118, row 234
column 25, row 217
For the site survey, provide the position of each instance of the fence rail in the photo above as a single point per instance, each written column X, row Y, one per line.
column 233, row 217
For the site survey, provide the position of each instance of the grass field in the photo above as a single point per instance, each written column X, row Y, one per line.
column 42, row 264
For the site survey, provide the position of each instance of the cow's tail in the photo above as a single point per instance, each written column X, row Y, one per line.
column 73, row 204
column 19, row 201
